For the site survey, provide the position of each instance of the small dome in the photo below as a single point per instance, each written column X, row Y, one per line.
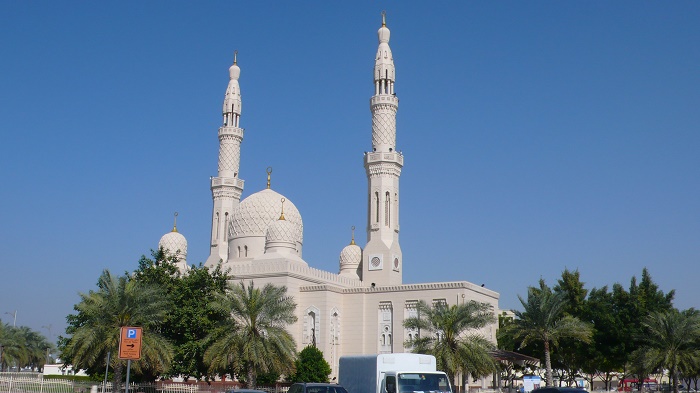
column 351, row 255
column 281, row 231
column 174, row 243
column 256, row 213
column 350, row 259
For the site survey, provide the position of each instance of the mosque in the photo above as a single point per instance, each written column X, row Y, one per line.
column 361, row 308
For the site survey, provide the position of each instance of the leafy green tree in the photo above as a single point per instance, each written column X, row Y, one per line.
column 254, row 337
column 632, row 307
column 311, row 366
column 266, row 379
column 670, row 342
column 607, row 354
column 189, row 319
column 94, row 330
column 447, row 332
column 577, row 353
column 543, row 320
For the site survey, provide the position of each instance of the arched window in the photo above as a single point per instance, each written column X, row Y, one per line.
column 225, row 226
column 216, row 230
column 245, row 248
column 239, row 251
column 387, row 209
column 376, row 197
column 312, row 332
column 312, row 326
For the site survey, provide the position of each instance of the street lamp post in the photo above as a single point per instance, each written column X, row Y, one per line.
column 14, row 317
column 48, row 327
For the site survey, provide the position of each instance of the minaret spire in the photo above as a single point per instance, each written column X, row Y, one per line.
column 175, row 223
column 227, row 188
column 282, row 215
column 382, row 258
column 269, row 173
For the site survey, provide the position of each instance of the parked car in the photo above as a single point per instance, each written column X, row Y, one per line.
column 314, row 387
column 554, row 389
column 245, row 391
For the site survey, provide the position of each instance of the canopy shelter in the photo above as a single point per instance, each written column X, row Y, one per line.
column 514, row 358
column 509, row 359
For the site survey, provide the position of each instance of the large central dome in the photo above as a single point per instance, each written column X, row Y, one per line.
column 258, row 211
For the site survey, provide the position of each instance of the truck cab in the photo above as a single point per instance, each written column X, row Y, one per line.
column 420, row 382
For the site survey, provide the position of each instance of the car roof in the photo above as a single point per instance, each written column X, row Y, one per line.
column 318, row 384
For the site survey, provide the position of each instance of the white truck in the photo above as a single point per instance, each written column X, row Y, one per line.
column 392, row 373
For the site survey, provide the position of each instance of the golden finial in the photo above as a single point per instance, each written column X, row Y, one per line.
column 235, row 57
column 282, row 215
column 269, row 172
column 175, row 223
column 352, row 242
column 384, row 18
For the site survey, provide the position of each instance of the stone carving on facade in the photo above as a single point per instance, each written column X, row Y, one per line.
column 382, row 169
column 384, row 128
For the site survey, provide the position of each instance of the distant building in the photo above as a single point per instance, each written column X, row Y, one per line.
column 62, row 369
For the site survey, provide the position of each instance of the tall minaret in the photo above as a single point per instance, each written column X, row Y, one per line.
column 226, row 188
column 381, row 258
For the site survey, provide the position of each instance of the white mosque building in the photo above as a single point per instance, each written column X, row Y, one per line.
column 359, row 309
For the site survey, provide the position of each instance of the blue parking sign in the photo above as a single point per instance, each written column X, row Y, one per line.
column 131, row 333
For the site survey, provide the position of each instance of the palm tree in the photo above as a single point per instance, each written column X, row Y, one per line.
column 35, row 348
column 254, row 339
column 12, row 346
column 543, row 320
column 447, row 332
column 670, row 342
column 22, row 347
column 118, row 301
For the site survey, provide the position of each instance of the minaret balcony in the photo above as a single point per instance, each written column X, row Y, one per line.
column 384, row 99
column 377, row 157
column 230, row 130
column 226, row 181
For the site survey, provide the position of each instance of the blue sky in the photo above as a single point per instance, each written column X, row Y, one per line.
column 537, row 136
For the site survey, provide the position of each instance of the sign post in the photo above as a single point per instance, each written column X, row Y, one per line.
column 129, row 347
column 130, row 343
